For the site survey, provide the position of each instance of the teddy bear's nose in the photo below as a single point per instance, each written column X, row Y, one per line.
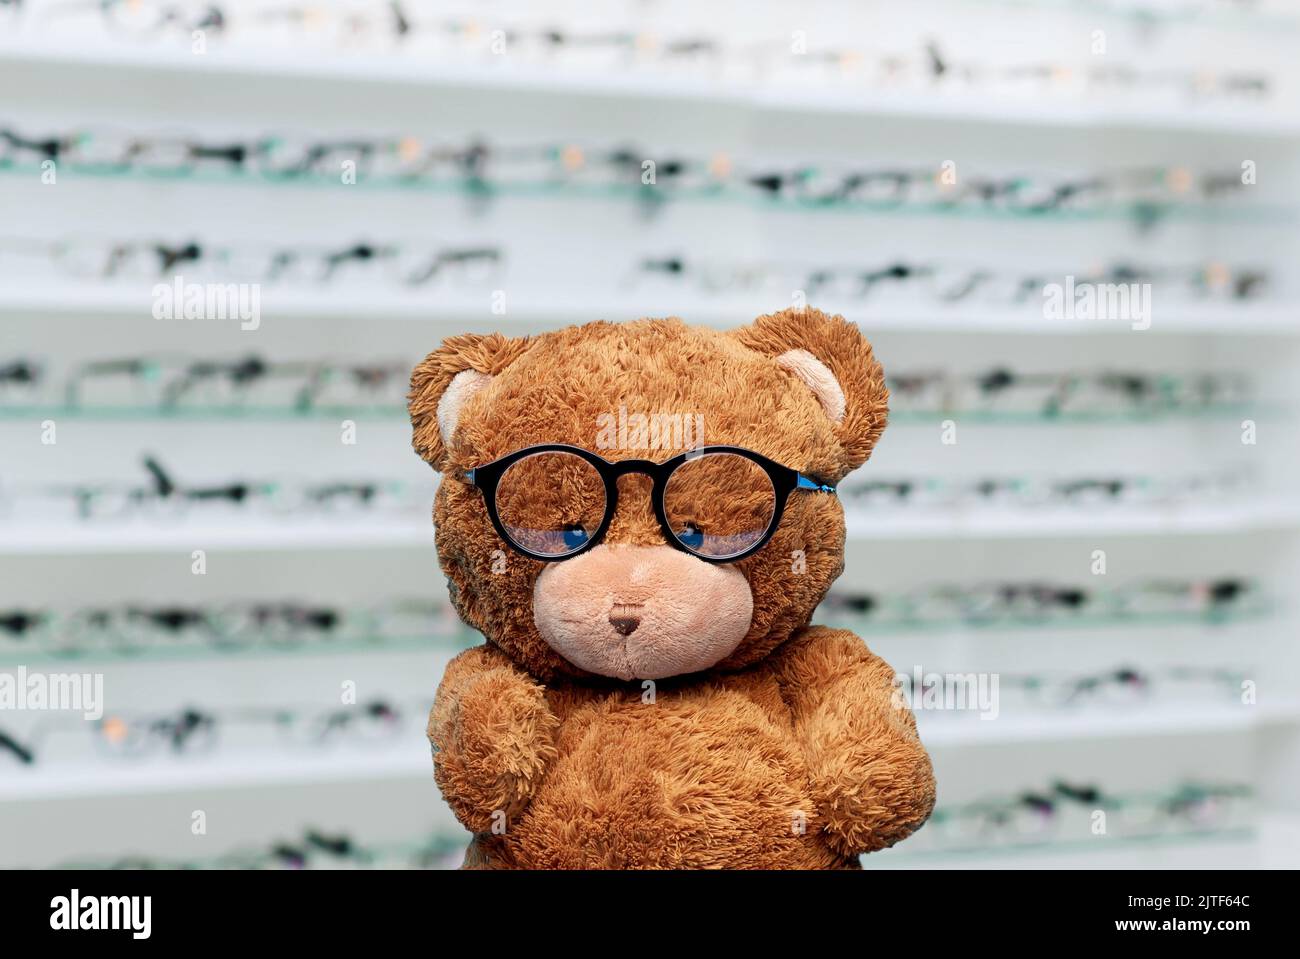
column 625, row 618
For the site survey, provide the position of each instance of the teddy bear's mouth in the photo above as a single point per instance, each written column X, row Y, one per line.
column 641, row 612
column 629, row 660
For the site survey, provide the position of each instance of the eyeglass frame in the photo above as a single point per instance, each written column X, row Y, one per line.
column 784, row 481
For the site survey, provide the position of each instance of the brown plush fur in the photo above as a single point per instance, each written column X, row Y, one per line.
column 792, row 751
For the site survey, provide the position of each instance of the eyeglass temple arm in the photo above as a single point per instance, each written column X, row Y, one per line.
column 23, row 753
column 811, row 484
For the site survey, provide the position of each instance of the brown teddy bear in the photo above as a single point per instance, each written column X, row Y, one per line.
column 641, row 518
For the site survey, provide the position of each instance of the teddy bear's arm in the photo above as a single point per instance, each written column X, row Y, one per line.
column 493, row 736
column 870, row 775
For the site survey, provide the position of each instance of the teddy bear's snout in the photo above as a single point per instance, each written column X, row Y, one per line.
column 642, row 612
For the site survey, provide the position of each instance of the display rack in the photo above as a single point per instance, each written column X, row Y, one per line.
column 568, row 254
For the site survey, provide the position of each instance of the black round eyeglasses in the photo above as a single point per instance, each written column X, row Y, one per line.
column 719, row 503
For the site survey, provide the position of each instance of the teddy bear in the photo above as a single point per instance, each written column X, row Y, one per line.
column 640, row 519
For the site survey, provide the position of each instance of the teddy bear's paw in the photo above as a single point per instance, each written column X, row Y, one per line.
column 878, row 803
column 492, row 748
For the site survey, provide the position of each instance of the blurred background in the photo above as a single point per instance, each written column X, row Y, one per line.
column 228, row 230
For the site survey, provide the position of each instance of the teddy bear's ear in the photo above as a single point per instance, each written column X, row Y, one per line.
column 830, row 357
column 445, row 380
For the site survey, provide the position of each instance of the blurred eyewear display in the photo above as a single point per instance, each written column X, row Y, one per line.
column 1066, row 812
column 478, row 167
column 160, row 496
column 1122, row 686
column 394, row 25
column 1045, row 603
column 313, row 850
column 142, row 629
column 1042, row 492
column 191, row 731
column 946, row 283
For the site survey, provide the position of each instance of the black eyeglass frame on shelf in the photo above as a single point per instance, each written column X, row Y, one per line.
column 784, row 482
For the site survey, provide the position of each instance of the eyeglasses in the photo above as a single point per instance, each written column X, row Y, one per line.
column 162, row 492
column 483, row 170
column 178, row 383
column 1042, row 603
column 1065, row 810
column 137, row 19
column 161, row 495
column 168, row 384
column 927, row 66
column 932, row 69
column 718, row 503
column 1051, row 394
column 1122, row 686
column 262, row 626
column 191, row 730
column 148, row 19
column 946, row 283
column 110, row 149
column 21, row 381
column 20, row 751
column 1148, row 191
column 287, row 156
column 97, row 260
column 1037, row 492
column 313, row 850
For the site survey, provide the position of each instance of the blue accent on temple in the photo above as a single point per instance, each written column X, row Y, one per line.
column 469, row 477
column 812, row 484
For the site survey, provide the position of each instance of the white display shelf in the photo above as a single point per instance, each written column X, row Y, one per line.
column 416, row 532
column 1271, row 842
column 148, row 538
column 1047, row 112
column 904, row 524
column 1240, row 849
column 89, row 59
column 948, row 731
column 1186, row 318
column 538, row 309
